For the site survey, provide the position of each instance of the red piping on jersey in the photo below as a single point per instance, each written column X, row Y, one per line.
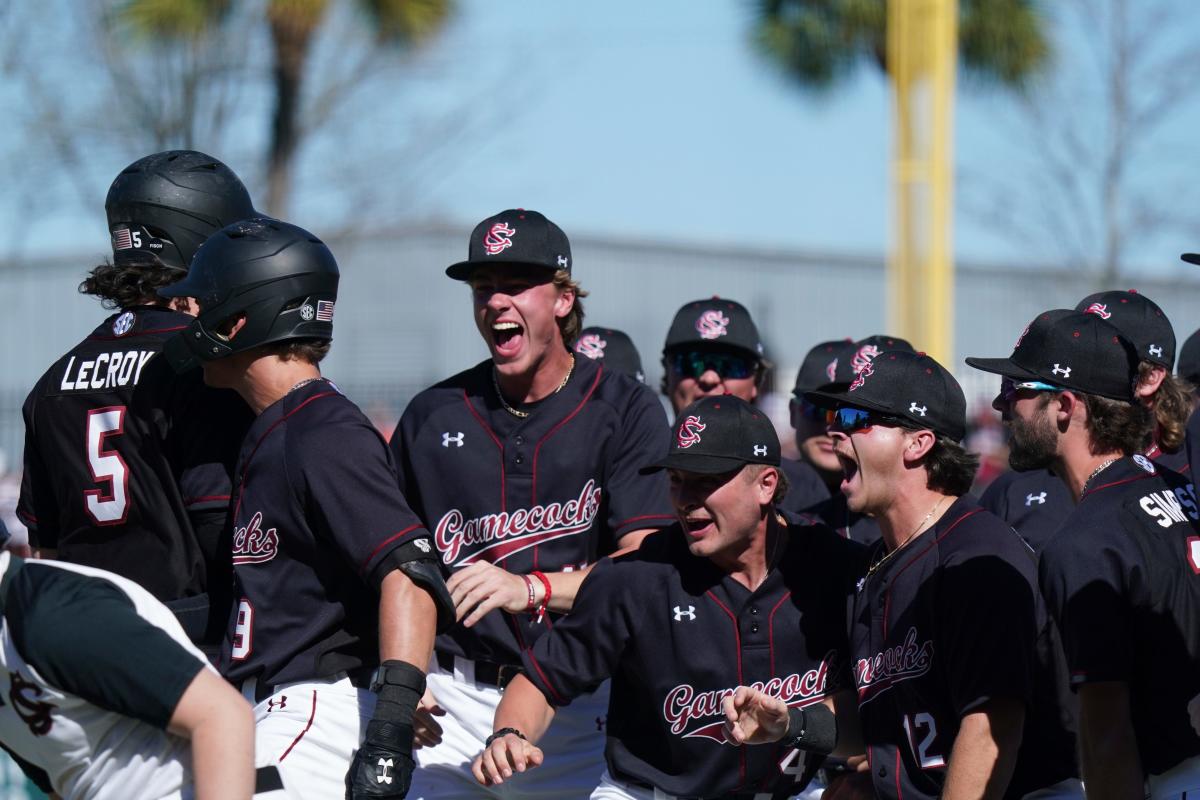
column 311, row 717
column 150, row 332
column 737, row 638
column 771, row 630
column 887, row 606
column 263, row 438
column 557, row 697
column 899, row 790
column 1118, row 483
column 386, row 542
column 625, row 522
column 492, row 436
column 537, row 449
column 188, row 501
column 25, row 515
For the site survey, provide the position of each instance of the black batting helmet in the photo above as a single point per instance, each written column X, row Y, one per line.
column 165, row 205
column 280, row 276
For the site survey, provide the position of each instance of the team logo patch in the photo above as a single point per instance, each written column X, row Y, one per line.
column 863, row 358
column 861, row 377
column 712, row 324
column 122, row 239
column 498, row 239
column 699, row 714
column 591, row 345
column 253, row 545
column 123, row 324
column 35, row 713
column 689, row 432
column 1144, row 463
column 324, row 311
column 307, row 312
column 831, row 370
column 1099, row 309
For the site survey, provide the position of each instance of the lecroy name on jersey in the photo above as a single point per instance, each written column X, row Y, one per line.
column 105, row 371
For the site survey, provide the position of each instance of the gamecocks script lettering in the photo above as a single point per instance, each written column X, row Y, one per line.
column 880, row 672
column 510, row 532
column 253, row 545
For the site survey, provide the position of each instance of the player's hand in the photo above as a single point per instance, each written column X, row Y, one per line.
column 1194, row 713
column 426, row 730
column 483, row 587
column 753, row 717
column 506, row 754
column 383, row 764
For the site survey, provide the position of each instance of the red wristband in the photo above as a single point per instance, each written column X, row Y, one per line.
column 541, row 576
column 532, row 596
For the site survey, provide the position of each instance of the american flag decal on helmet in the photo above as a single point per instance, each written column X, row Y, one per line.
column 121, row 239
column 324, row 311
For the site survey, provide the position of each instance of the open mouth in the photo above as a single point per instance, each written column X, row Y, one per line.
column 507, row 338
column 849, row 471
column 696, row 526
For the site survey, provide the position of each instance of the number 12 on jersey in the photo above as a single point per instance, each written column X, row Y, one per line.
column 107, row 466
column 920, row 750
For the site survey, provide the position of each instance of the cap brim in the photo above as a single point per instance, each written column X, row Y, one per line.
column 704, row 464
column 1191, row 258
column 843, row 397
column 799, row 393
column 1002, row 366
column 463, row 269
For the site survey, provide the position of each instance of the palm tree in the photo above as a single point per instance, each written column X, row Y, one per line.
column 293, row 25
column 819, row 42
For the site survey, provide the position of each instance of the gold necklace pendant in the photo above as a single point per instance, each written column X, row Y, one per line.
column 516, row 412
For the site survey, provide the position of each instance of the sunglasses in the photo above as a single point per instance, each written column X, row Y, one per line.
column 811, row 412
column 1009, row 387
column 693, row 364
column 850, row 420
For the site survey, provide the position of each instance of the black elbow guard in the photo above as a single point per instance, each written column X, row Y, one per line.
column 421, row 567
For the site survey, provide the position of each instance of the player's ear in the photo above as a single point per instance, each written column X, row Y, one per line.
column 1065, row 405
column 565, row 302
column 1149, row 380
column 918, row 445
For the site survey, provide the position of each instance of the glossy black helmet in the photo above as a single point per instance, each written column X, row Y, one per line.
column 165, row 205
column 280, row 276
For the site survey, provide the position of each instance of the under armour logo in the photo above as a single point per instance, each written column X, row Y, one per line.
column 281, row 704
column 760, row 449
column 1156, row 351
column 600, row 723
column 1064, row 371
column 680, row 613
column 447, row 439
column 383, row 776
column 1032, row 498
column 861, row 583
column 563, row 261
column 916, row 409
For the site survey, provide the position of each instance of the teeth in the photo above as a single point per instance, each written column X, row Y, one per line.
column 505, row 326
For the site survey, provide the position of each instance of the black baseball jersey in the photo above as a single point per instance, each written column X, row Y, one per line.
column 940, row 627
column 1176, row 461
column 677, row 636
column 92, row 668
column 1034, row 503
column 835, row 512
column 1122, row 578
column 315, row 510
column 127, row 465
column 805, row 487
column 553, row 491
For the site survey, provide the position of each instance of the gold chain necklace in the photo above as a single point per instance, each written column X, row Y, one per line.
column 1096, row 472
column 523, row 414
column 871, row 569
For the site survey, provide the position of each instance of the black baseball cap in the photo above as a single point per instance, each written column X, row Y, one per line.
column 912, row 387
column 1073, row 350
column 867, row 349
column 613, row 347
column 1139, row 319
column 715, row 322
column 1189, row 359
column 718, row 434
column 823, row 365
column 515, row 236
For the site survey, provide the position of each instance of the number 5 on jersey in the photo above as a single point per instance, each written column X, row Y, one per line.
column 107, row 466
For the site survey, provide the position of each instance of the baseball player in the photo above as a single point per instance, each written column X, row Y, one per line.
column 1120, row 575
column 334, row 575
column 105, row 697
column 726, row 597
column 127, row 464
column 949, row 638
column 525, row 467
column 614, row 347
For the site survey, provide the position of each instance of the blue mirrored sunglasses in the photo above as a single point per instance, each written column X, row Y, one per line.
column 694, row 363
column 849, row 420
column 1009, row 387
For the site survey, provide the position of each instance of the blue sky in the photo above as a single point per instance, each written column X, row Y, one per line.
column 645, row 120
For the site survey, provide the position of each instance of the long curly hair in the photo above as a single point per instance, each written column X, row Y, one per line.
column 125, row 285
column 1172, row 407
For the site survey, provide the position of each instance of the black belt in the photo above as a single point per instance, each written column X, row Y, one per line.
column 488, row 673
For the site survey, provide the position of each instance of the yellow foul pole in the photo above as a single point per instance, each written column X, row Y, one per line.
column 922, row 51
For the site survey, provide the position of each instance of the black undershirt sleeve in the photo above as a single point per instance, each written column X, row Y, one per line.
column 84, row 636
